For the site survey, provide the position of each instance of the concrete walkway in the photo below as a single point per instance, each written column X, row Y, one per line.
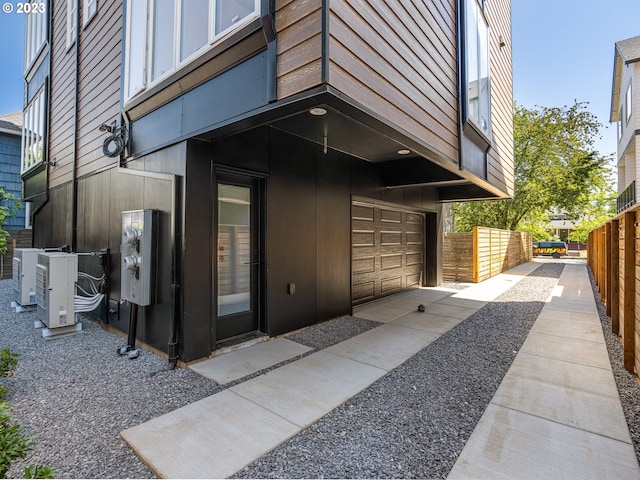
column 561, row 376
column 557, row 412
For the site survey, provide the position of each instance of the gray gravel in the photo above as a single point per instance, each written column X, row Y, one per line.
column 414, row 422
column 325, row 334
column 75, row 395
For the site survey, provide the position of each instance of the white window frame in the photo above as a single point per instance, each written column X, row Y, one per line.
column 72, row 22
column 482, row 65
column 628, row 104
column 89, row 10
column 146, row 66
column 33, row 133
column 35, row 26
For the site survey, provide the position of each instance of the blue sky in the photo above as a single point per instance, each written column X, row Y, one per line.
column 562, row 51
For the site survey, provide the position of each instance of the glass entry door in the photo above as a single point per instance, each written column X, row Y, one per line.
column 237, row 257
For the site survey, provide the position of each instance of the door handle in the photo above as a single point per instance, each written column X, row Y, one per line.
column 252, row 263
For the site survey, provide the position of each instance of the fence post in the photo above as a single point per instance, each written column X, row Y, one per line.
column 628, row 340
column 614, row 277
column 476, row 245
column 607, row 267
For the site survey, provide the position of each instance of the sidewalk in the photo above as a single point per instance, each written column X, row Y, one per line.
column 217, row 436
column 557, row 413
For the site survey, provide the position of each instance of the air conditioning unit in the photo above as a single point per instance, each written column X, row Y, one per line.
column 56, row 278
column 24, row 274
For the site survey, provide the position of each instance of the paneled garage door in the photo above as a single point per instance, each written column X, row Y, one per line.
column 387, row 250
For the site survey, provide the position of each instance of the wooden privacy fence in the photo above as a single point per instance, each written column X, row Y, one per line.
column 613, row 252
column 484, row 252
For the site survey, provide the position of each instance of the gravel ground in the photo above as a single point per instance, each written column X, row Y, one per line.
column 74, row 395
column 627, row 382
column 414, row 422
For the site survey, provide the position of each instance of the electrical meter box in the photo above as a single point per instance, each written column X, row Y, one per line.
column 139, row 253
column 56, row 279
column 24, row 274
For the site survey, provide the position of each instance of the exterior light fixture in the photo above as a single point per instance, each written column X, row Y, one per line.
column 318, row 112
column 404, row 151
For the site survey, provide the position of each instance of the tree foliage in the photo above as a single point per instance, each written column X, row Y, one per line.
column 555, row 168
column 8, row 207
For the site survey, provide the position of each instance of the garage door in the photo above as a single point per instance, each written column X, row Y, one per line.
column 387, row 250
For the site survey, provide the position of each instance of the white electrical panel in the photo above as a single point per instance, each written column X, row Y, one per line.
column 24, row 274
column 139, row 256
column 56, row 278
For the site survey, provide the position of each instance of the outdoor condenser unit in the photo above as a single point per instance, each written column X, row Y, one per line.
column 24, row 274
column 56, row 278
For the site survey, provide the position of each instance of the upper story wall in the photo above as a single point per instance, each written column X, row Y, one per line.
column 399, row 60
column 61, row 98
column 93, row 65
column 400, row 63
column 99, row 83
column 299, row 29
column 500, row 163
column 629, row 78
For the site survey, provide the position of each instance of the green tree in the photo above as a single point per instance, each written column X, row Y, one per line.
column 555, row 168
column 8, row 207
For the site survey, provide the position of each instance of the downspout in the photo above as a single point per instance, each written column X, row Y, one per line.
column 269, row 30
column 459, row 76
column 176, row 237
column 76, row 94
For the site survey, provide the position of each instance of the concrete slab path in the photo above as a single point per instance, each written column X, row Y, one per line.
column 557, row 412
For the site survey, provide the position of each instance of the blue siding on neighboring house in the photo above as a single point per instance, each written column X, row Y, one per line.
column 10, row 175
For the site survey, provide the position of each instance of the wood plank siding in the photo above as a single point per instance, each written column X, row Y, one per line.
column 500, row 162
column 299, row 29
column 99, row 90
column 62, row 87
column 399, row 61
column 99, row 96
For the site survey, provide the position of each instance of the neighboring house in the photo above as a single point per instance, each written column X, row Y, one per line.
column 18, row 225
column 561, row 226
column 298, row 151
column 625, row 110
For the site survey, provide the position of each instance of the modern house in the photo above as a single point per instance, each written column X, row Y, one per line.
column 625, row 108
column 297, row 152
column 18, row 225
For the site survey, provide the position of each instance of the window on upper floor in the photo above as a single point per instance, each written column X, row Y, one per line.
column 33, row 132
column 89, row 9
column 477, row 85
column 72, row 22
column 627, row 103
column 35, row 32
column 619, row 125
column 163, row 35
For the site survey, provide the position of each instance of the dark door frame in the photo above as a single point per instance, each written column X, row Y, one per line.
column 257, row 181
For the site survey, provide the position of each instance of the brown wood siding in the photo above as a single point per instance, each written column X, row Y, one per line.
column 500, row 163
column 387, row 250
column 399, row 61
column 299, row 27
column 61, row 99
column 99, row 93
